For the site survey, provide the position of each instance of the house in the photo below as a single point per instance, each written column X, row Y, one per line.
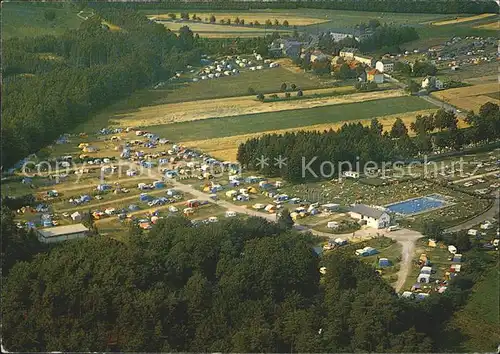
column 385, row 66
column 452, row 249
column 285, row 47
column 431, row 82
column 62, row 233
column 375, row 218
column 318, row 56
column 364, row 59
column 348, row 52
column 76, row 216
column 375, row 76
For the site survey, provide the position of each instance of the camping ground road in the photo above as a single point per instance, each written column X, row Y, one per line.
column 492, row 212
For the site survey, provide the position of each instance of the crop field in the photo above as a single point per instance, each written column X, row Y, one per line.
column 226, row 148
column 230, row 107
column 293, row 18
column 462, row 19
column 221, row 31
column 24, row 19
column 253, row 123
column 495, row 25
column 469, row 98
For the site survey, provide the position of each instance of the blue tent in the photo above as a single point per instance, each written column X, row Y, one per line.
column 144, row 197
column 47, row 223
column 133, row 207
column 85, row 198
column 384, row 262
column 159, row 184
column 27, row 180
column 30, row 225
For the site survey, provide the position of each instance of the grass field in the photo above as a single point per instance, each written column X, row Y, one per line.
column 27, row 20
column 469, row 98
column 462, row 19
column 479, row 319
column 226, row 148
column 294, row 19
column 253, row 123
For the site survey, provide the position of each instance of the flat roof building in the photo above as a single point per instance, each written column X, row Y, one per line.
column 62, row 233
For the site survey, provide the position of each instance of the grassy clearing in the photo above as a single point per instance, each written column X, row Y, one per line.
column 253, row 123
column 469, row 98
column 462, row 19
column 24, row 19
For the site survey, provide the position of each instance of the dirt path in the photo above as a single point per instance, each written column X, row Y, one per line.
column 475, row 177
column 405, row 265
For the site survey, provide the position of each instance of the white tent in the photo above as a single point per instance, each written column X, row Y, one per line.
column 424, row 278
column 76, row 216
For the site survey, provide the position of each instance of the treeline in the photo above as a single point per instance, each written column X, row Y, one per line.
column 313, row 155
column 234, row 286
column 404, row 6
column 53, row 83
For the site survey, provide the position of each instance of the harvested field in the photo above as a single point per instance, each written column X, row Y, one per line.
column 237, row 106
column 293, row 19
column 462, row 19
column 490, row 26
column 217, row 31
column 469, row 98
column 227, row 147
column 348, row 110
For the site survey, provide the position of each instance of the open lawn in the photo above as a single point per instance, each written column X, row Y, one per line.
column 24, row 19
column 495, row 25
column 253, row 123
column 462, row 19
column 469, row 98
column 211, row 30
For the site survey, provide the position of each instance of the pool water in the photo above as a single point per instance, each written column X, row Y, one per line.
column 417, row 205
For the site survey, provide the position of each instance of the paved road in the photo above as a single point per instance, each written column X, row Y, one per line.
column 489, row 214
column 429, row 99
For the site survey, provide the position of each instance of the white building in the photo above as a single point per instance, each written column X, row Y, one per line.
column 384, row 66
column 364, row 59
column 62, row 233
column 348, row 52
column 432, row 82
column 375, row 218
column 350, row 174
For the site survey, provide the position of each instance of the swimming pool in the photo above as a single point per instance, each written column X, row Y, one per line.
column 417, row 205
